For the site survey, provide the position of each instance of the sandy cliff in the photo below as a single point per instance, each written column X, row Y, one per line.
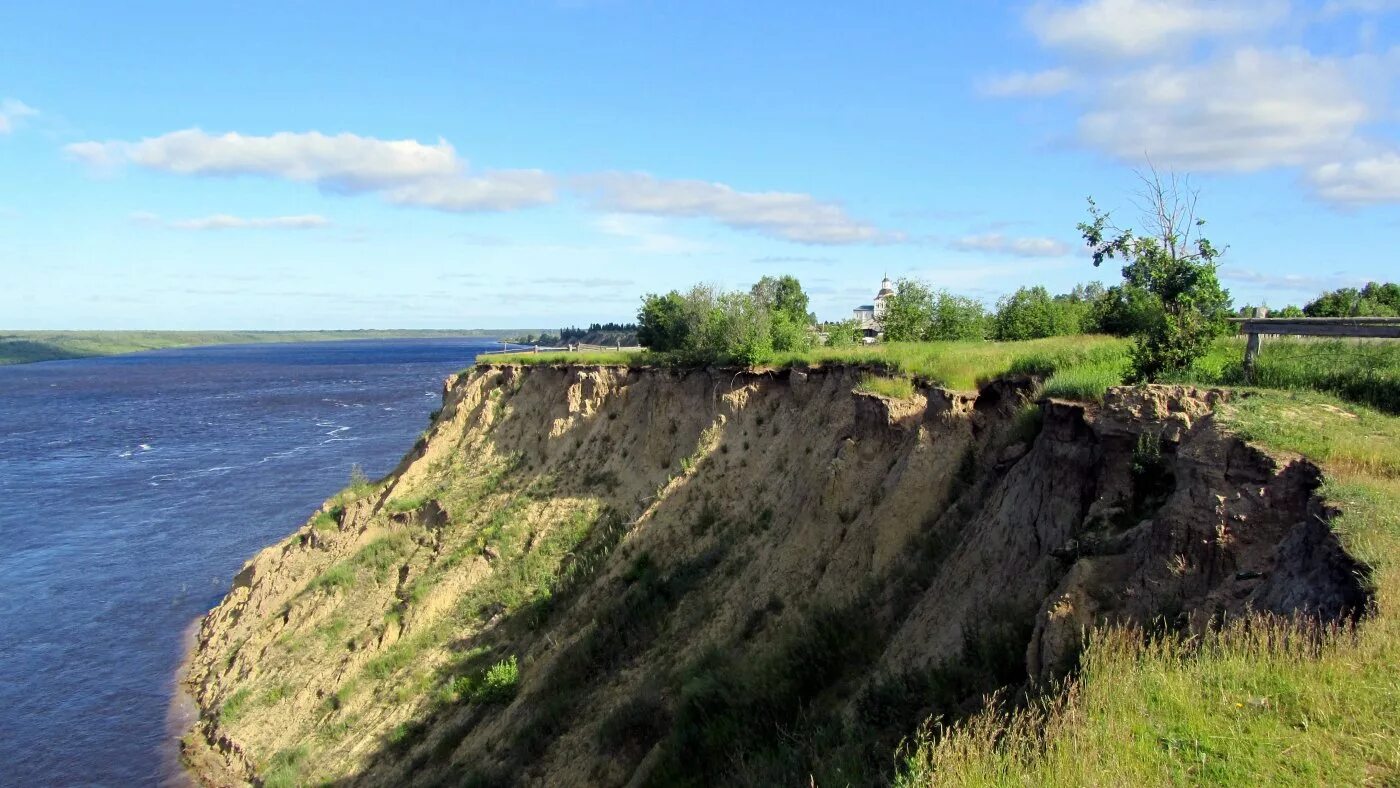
column 603, row 576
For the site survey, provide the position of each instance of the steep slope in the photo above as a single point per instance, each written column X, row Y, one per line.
column 600, row 575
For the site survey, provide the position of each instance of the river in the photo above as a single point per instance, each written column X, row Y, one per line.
column 132, row 488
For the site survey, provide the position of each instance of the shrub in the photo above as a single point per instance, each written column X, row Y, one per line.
column 498, row 685
column 844, row 333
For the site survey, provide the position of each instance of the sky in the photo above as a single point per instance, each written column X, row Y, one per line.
column 301, row 165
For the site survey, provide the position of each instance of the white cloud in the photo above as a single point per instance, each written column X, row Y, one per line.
column 1134, row 28
column 223, row 221
column 11, row 110
column 1248, row 111
column 407, row 172
column 1034, row 83
column 1362, row 181
column 996, row 243
column 787, row 215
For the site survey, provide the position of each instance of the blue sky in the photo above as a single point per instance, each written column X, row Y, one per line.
column 347, row 165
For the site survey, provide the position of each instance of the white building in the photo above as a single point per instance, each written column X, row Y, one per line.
column 870, row 316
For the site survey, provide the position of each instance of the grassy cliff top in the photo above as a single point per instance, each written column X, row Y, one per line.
column 1080, row 367
column 961, row 365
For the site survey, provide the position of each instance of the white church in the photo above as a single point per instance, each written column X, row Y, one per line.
column 870, row 316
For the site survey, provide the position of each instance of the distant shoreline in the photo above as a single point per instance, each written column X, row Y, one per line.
column 27, row 347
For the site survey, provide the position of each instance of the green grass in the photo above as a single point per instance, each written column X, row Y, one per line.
column 383, row 554
column 1261, row 702
column 1087, row 382
column 327, row 521
column 235, row 706
column 626, row 358
column 1081, row 367
column 1364, row 371
column 284, row 769
column 21, row 347
column 960, row 365
column 894, row 388
column 339, row 576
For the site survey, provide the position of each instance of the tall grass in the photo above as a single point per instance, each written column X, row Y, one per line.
column 1082, row 367
column 1363, row 371
column 962, row 365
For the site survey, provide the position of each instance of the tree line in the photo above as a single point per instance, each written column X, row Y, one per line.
column 1169, row 300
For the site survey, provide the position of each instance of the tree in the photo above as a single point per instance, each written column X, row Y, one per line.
column 1172, row 268
column 844, row 333
column 956, row 317
column 909, row 312
column 1373, row 300
column 661, row 322
column 1122, row 311
column 707, row 324
column 782, row 295
column 1031, row 313
column 787, row 304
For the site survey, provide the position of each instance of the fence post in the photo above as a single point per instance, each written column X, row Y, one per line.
column 1251, row 346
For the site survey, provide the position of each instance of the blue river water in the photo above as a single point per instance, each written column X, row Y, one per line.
column 132, row 488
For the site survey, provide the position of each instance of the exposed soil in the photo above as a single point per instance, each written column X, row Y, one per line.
column 777, row 576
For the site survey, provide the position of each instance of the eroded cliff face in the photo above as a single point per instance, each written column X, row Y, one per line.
column 737, row 576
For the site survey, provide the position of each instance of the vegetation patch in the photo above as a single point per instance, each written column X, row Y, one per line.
column 235, row 706
column 892, row 387
column 284, row 770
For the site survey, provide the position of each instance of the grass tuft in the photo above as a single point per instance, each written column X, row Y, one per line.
column 894, row 388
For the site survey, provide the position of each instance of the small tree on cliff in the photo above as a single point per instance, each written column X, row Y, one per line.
column 1171, row 270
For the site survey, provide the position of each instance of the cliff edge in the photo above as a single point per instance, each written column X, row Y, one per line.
column 588, row 575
